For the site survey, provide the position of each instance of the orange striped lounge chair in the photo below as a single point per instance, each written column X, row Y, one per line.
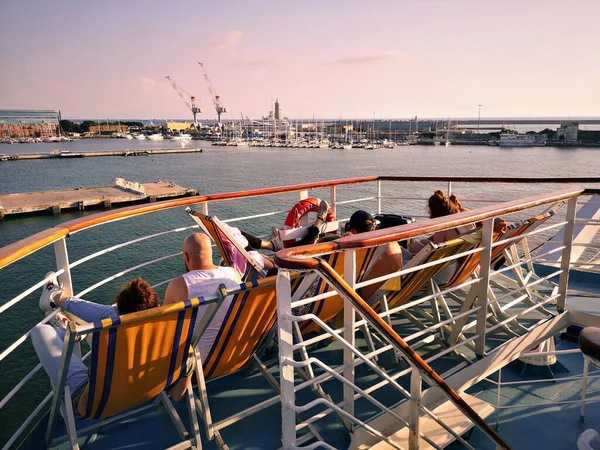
column 151, row 347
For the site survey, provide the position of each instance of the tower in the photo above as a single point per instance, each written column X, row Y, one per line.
column 277, row 111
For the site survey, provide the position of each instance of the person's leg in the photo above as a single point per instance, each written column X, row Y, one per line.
column 88, row 311
column 48, row 345
column 312, row 235
column 254, row 242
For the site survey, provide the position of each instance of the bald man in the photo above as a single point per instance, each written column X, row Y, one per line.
column 202, row 279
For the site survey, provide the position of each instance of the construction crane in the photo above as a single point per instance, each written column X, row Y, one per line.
column 215, row 98
column 192, row 107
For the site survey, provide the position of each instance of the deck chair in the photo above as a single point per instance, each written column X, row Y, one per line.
column 134, row 359
column 502, row 250
column 250, row 317
column 328, row 308
column 228, row 246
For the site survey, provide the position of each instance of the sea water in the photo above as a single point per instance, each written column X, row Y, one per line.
column 217, row 170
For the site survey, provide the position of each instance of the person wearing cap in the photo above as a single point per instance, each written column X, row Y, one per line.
column 391, row 261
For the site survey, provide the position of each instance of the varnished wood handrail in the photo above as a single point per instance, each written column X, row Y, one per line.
column 17, row 250
column 301, row 258
column 13, row 252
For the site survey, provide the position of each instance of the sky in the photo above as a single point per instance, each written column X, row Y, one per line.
column 322, row 59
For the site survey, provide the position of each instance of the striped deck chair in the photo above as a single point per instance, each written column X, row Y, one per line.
column 231, row 251
column 134, row 360
column 328, row 308
column 250, row 317
column 515, row 230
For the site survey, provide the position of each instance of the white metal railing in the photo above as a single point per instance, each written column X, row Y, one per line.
column 64, row 267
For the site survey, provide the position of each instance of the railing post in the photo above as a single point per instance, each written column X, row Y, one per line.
column 303, row 195
column 286, row 353
column 332, row 200
column 378, row 196
column 484, row 284
column 449, row 188
column 584, row 381
column 349, row 333
column 565, row 259
column 415, row 408
column 204, row 208
column 62, row 262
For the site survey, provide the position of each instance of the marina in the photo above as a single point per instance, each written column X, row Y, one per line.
column 123, row 192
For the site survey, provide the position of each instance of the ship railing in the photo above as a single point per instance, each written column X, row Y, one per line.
column 57, row 238
column 585, row 377
column 513, row 313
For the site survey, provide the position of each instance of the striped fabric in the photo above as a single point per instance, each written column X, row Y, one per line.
column 251, row 315
column 137, row 356
column 326, row 309
column 412, row 282
column 217, row 236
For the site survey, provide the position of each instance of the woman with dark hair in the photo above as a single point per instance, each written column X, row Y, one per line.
column 48, row 340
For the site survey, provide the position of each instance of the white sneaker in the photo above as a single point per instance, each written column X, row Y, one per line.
column 275, row 240
column 323, row 210
column 50, row 292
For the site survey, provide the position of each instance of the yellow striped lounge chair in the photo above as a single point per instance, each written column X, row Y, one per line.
column 328, row 308
column 214, row 228
column 134, row 359
column 516, row 230
column 250, row 317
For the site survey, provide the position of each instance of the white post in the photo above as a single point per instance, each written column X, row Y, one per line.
column 415, row 408
column 349, row 334
column 565, row 259
column 449, row 188
column 378, row 196
column 286, row 353
column 332, row 200
column 584, row 380
column 484, row 284
column 62, row 262
column 303, row 195
column 205, row 208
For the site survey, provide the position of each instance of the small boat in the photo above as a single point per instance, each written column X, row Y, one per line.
column 128, row 136
column 155, row 137
column 140, row 137
column 182, row 137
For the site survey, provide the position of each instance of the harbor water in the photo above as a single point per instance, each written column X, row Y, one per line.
column 216, row 170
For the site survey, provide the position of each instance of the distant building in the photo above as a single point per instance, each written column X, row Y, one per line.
column 108, row 129
column 28, row 123
column 181, row 126
column 568, row 132
column 277, row 110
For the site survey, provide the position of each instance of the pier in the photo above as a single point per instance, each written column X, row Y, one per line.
column 69, row 154
column 123, row 192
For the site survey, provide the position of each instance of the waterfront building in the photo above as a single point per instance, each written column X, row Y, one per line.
column 29, row 123
column 568, row 132
column 182, row 126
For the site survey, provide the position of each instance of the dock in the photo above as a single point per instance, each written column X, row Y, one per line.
column 68, row 154
column 123, row 192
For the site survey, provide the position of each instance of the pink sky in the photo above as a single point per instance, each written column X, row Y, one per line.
column 431, row 58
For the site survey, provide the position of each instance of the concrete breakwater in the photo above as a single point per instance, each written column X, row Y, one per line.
column 123, row 192
column 69, row 154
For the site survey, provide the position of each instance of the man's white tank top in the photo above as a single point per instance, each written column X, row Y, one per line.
column 205, row 283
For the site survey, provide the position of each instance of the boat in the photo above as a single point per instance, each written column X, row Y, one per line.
column 182, row 137
column 521, row 140
column 140, row 137
column 155, row 137
column 344, row 373
column 128, row 136
column 70, row 154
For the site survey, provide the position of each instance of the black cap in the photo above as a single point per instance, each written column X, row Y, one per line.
column 360, row 222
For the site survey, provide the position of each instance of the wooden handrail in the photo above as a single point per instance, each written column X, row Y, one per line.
column 13, row 252
column 17, row 250
column 300, row 258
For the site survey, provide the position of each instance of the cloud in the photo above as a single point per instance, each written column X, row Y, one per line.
column 375, row 57
column 231, row 40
